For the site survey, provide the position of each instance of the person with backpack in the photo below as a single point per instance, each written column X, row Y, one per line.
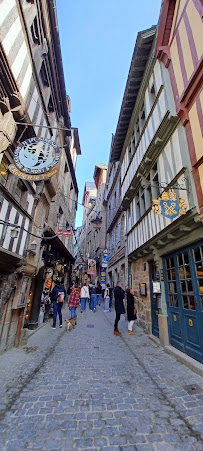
column 107, row 298
column 57, row 297
column 74, row 300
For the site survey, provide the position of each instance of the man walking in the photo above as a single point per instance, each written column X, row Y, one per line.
column 119, row 295
column 57, row 297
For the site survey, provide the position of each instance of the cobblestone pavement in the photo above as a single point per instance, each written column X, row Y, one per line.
column 89, row 389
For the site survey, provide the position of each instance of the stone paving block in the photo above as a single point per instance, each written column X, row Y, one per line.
column 118, row 440
column 92, row 400
column 101, row 441
column 83, row 443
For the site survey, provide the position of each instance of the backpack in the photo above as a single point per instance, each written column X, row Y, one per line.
column 106, row 293
column 60, row 296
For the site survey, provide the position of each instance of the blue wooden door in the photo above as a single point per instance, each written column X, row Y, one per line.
column 154, row 299
column 183, row 275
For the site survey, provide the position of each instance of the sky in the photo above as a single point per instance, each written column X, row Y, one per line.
column 97, row 41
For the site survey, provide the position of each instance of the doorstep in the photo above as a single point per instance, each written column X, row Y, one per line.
column 188, row 361
column 191, row 363
column 33, row 331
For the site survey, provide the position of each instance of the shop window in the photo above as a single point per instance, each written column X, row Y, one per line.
column 198, row 257
column 186, row 285
column 4, row 172
column 35, row 31
column 23, row 291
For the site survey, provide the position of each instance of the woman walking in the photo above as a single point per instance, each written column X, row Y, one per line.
column 131, row 311
column 74, row 300
column 84, row 296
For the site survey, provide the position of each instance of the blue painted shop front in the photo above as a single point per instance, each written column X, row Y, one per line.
column 183, row 277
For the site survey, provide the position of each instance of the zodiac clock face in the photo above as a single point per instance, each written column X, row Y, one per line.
column 36, row 155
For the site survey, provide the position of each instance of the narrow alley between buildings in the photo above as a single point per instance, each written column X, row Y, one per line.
column 88, row 389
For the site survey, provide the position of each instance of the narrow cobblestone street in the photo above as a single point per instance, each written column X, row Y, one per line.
column 89, row 389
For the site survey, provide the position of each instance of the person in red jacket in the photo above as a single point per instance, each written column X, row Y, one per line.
column 74, row 300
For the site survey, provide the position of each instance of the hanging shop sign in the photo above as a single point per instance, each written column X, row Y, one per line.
column 120, row 254
column 36, row 157
column 91, row 267
column 103, row 276
column 67, row 232
column 32, row 177
column 168, row 205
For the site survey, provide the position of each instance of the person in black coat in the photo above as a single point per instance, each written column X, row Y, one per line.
column 131, row 311
column 119, row 295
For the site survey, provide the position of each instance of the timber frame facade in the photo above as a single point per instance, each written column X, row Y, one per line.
column 32, row 91
column 163, row 254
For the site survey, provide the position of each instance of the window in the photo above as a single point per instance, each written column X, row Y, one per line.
column 20, row 194
column 119, row 233
column 137, row 207
column 4, row 173
column 51, row 105
column 156, row 191
column 142, row 117
column 137, row 130
column 35, row 31
column 152, row 95
column 142, row 201
column 115, row 199
column 44, row 75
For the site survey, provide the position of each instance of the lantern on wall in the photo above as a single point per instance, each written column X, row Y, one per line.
column 97, row 222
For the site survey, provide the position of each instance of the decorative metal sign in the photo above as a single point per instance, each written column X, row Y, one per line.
column 168, row 205
column 36, row 156
column 33, row 177
column 91, row 267
column 67, row 232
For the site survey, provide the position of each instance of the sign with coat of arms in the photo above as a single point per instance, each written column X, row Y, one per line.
column 168, row 205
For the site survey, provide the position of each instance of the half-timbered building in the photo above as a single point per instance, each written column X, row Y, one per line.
column 33, row 103
column 151, row 145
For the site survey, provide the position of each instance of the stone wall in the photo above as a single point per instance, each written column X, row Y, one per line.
column 143, row 303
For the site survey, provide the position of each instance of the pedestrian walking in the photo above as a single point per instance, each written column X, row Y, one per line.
column 119, row 295
column 131, row 311
column 57, row 297
column 99, row 293
column 74, row 300
column 84, row 296
column 106, row 298
column 93, row 297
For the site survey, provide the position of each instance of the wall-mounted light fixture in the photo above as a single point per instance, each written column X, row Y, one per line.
column 14, row 232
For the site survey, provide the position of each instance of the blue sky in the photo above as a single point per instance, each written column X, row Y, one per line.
column 97, row 41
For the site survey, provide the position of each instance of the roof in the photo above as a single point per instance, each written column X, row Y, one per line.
column 77, row 141
column 89, row 186
column 97, row 170
column 140, row 57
